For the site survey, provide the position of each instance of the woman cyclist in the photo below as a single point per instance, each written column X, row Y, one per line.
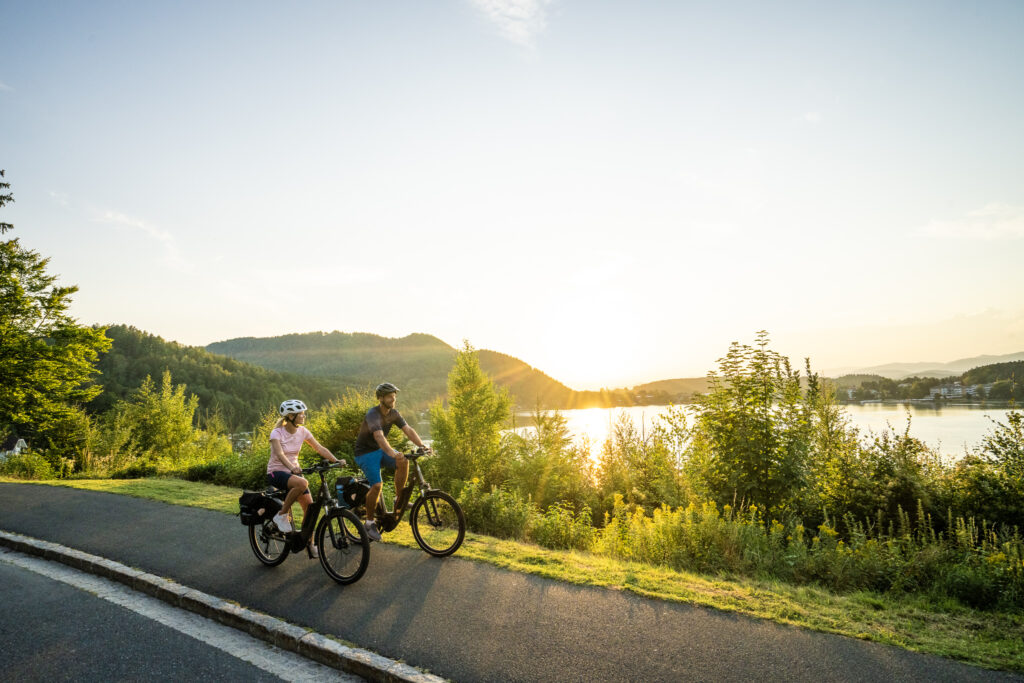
column 283, row 469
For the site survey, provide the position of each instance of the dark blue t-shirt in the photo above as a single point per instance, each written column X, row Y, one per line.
column 374, row 420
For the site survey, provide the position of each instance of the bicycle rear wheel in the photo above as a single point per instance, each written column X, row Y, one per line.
column 268, row 543
column 344, row 559
column 438, row 523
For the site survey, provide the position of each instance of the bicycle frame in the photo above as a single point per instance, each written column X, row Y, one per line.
column 298, row 540
column 404, row 497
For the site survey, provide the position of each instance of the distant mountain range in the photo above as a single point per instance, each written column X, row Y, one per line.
column 419, row 364
column 241, row 379
column 950, row 369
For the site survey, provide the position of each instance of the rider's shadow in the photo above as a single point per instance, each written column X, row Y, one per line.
column 401, row 589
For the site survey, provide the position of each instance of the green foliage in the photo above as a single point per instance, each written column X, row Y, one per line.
column 467, row 434
column 499, row 511
column 545, row 466
column 161, row 419
column 990, row 483
column 903, row 470
column 1005, row 446
column 27, row 465
column 640, row 468
column 246, row 470
column 972, row 563
column 46, row 357
column 336, row 424
column 562, row 528
column 237, row 392
column 5, row 198
column 151, row 433
column 751, row 437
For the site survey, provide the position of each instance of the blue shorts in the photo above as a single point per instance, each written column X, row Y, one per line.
column 279, row 478
column 371, row 463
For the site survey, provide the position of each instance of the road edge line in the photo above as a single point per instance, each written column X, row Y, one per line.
column 272, row 630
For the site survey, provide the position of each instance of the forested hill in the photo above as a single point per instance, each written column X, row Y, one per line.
column 418, row 364
column 997, row 381
column 1013, row 371
column 240, row 392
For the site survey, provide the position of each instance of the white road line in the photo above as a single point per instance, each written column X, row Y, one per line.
column 285, row 665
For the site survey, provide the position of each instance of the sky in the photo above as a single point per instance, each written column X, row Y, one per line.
column 612, row 192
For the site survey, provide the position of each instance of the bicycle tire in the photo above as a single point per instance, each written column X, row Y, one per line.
column 438, row 523
column 343, row 559
column 268, row 543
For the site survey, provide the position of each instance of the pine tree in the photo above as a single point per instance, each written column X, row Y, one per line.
column 467, row 434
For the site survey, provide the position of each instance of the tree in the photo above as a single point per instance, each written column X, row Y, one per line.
column 640, row 467
column 46, row 358
column 545, row 465
column 467, row 434
column 751, row 437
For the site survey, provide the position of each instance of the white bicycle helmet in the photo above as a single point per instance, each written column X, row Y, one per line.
column 292, row 406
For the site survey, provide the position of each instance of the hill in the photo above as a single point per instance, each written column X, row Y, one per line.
column 418, row 363
column 951, row 369
column 673, row 390
column 853, row 381
column 995, row 372
column 240, row 392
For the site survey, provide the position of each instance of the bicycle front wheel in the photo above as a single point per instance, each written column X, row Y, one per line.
column 344, row 559
column 438, row 523
column 268, row 543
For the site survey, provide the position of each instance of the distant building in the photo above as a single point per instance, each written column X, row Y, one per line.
column 954, row 390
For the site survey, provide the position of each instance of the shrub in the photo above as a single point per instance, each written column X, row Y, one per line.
column 501, row 512
column 27, row 465
column 562, row 528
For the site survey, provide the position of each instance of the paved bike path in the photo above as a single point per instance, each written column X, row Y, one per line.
column 460, row 619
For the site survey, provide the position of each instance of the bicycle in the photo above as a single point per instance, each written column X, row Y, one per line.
column 437, row 521
column 340, row 537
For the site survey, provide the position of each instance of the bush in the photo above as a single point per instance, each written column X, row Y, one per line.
column 562, row 528
column 336, row 425
column 27, row 465
column 245, row 471
column 501, row 512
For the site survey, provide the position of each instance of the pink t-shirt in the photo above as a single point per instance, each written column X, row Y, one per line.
column 290, row 445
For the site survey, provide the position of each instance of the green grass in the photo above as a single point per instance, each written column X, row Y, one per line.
column 988, row 639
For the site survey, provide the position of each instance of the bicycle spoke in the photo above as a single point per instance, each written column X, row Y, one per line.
column 438, row 524
column 343, row 558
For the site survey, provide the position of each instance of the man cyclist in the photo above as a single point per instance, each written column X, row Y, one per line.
column 373, row 450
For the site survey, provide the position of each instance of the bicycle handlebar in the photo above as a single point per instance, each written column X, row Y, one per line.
column 419, row 452
column 323, row 467
column 327, row 465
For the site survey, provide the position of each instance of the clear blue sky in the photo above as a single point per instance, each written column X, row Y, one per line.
column 612, row 192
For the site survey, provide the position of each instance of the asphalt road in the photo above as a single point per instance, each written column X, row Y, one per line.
column 462, row 620
column 53, row 632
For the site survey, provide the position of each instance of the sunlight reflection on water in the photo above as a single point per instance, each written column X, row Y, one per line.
column 949, row 429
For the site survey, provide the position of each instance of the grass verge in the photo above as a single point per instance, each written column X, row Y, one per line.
column 988, row 639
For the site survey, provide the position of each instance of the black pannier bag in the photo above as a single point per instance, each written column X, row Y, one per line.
column 351, row 491
column 256, row 506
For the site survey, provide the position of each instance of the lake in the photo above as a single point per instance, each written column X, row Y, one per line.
column 950, row 429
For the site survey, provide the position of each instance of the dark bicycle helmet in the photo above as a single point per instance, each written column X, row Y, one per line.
column 386, row 388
